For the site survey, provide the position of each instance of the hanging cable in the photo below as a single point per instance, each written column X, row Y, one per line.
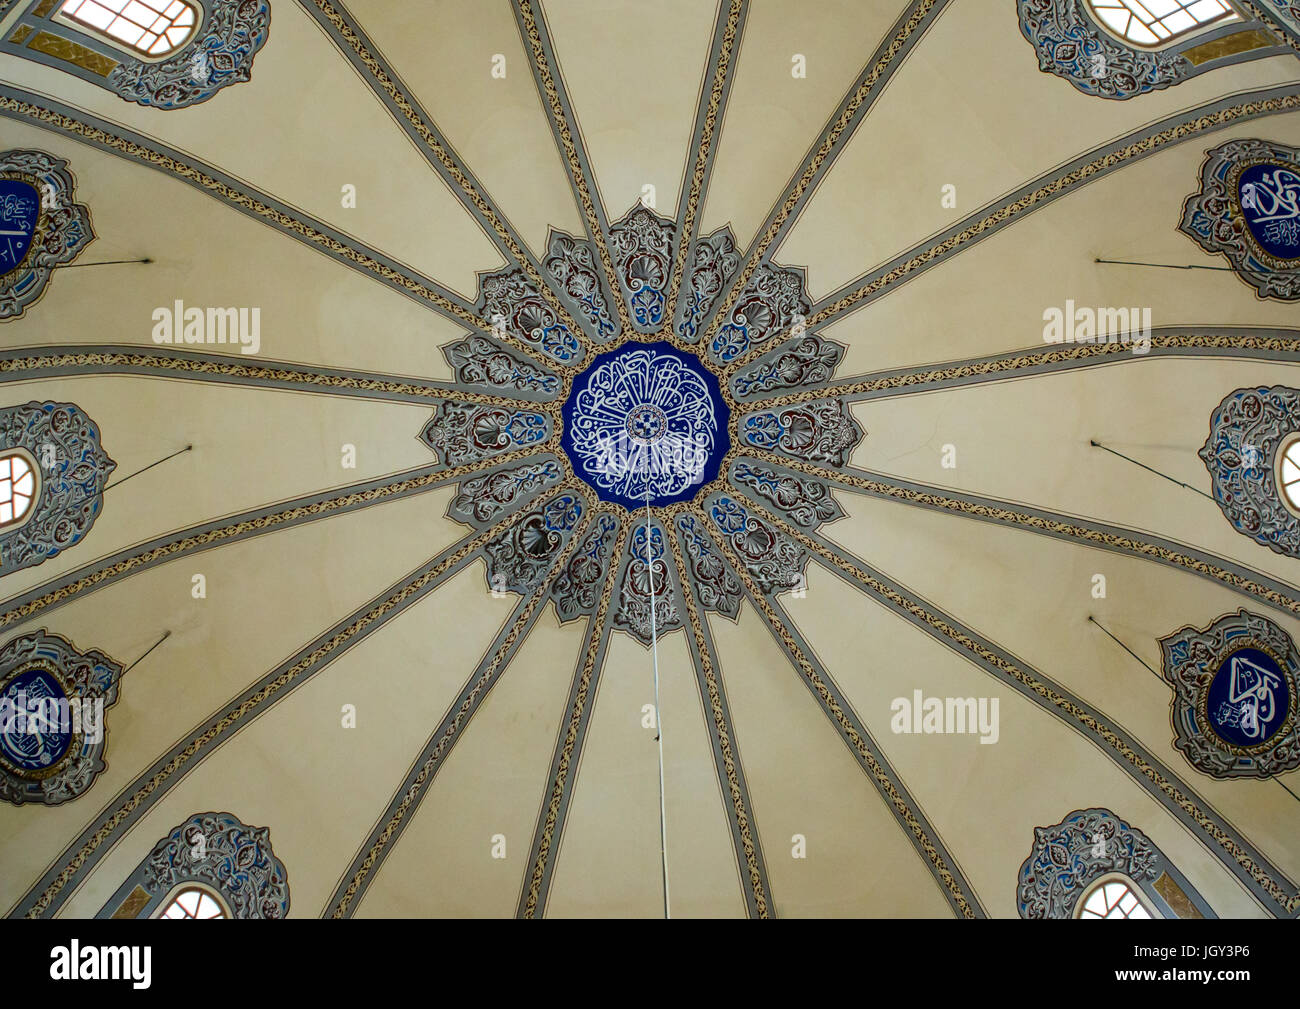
column 654, row 652
column 659, row 719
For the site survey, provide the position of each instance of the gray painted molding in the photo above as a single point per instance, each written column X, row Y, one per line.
column 719, row 760
column 97, row 574
column 600, row 239
column 852, row 719
column 974, row 506
column 992, row 658
column 24, row 364
column 482, row 213
column 859, row 112
column 395, row 275
column 1045, row 360
column 415, row 785
column 1003, row 212
column 133, row 801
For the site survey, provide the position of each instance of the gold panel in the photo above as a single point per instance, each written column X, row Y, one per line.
column 134, row 904
column 1229, row 45
column 68, row 51
column 20, row 36
column 1175, row 898
column 44, row 9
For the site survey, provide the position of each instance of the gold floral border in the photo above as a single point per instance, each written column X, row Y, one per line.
column 412, row 789
column 960, row 641
column 428, row 133
column 565, row 135
column 703, row 153
column 320, row 656
column 578, row 714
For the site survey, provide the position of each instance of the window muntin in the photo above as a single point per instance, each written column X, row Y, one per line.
column 1112, row 897
column 1287, row 473
column 17, row 488
column 1152, row 23
column 193, row 902
column 150, row 28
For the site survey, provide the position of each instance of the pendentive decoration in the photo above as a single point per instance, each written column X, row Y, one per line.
column 568, row 430
column 646, row 603
column 572, row 264
column 462, row 433
column 1073, row 46
column 1088, row 845
column 42, row 226
column 773, row 303
column 1248, row 210
column 214, row 850
column 60, row 443
column 220, row 52
column 1248, row 431
column 52, row 726
column 1234, row 704
column 641, row 246
column 510, row 303
column 715, row 260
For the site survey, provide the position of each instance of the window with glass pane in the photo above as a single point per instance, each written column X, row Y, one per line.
column 17, row 489
column 1113, row 899
column 1152, row 23
column 193, row 902
column 149, row 27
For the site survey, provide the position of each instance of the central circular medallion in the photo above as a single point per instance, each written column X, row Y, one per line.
column 1247, row 701
column 39, row 735
column 646, row 423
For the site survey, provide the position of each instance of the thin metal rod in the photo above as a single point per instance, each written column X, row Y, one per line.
column 1283, row 784
column 1162, row 680
column 1187, row 266
column 107, row 262
column 659, row 718
column 1097, row 444
column 1125, row 647
column 150, row 466
column 166, row 635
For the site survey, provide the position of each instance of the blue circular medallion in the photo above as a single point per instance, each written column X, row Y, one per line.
column 1249, row 698
column 646, row 423
column 1269, row 195
column 20, row 208
column 34, row 728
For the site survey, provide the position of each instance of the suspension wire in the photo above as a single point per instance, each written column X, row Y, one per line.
column 659, row 719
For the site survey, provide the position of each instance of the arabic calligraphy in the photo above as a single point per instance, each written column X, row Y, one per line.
column 20, row 206
column 646, row 423
column 1270, row 202
column 34, row 730
column 1247, row 699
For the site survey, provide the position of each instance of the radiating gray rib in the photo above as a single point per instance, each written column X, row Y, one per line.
column 133, row 801
column 1000, row 213
column 839, row 701
column 1091, row 723
column 699, row 656
column 1263, row 588
column 397, row 276
column 24, row 364
column 382, row 839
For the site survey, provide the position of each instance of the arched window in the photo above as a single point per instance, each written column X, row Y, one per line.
column 1152, row 23
column 151, row 28
column 1112, row 897
column 1288, row 473
column 17, row 488
column 194, row 902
